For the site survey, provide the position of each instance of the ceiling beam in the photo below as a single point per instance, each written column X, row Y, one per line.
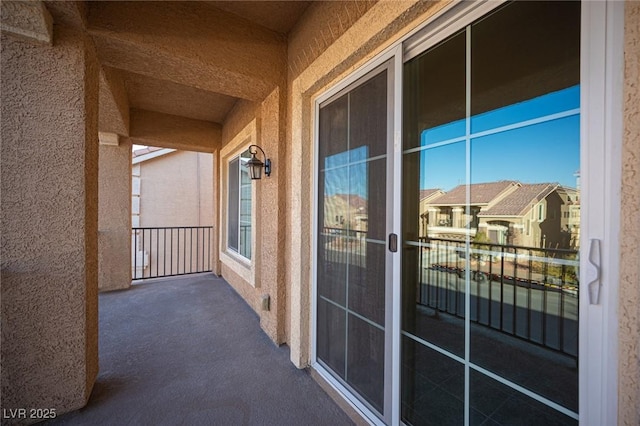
column 189, row 43
column 114, row 104
column 172, row 131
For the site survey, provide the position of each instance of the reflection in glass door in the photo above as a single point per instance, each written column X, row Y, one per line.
column 491, row 221
column 352, row 342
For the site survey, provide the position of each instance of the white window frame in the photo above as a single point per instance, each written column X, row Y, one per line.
column 540, row 212
column 230, row 249
column 601, row 82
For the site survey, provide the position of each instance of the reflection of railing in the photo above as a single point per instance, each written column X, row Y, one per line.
column 170, row 251
column 527, row 292
column 343, row 246
column 530, row 293
column 245, row 240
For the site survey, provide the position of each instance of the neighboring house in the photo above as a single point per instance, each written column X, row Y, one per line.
column 530, row 216
column 447, row 216
column 426, row 196
column 346, row 211
column 170, row 189
column 507, row 212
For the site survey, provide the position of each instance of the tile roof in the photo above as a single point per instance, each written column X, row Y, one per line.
column 521, row 200
column 354, row 201
column 481, row 193
column 426, row 193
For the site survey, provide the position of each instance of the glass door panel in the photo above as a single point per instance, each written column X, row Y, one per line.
column 434, row 241
column 491, row 221
column 352, row 340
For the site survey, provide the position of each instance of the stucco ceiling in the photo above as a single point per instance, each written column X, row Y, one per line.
column 164, row 96
column 279, row 16
column 193, row 59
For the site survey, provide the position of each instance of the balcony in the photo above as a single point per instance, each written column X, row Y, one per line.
column 189, row 350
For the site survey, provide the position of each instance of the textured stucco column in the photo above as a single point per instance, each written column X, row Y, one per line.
column 114, row 216
column 49, row 211
column 272, row 226
column 629, row 312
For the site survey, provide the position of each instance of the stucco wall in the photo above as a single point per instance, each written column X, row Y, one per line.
column 272, row 227
column 261, row 124
column 176, row 189
column 238, row 118
column 320, row 26
column 242, row 274
column 49, row 222
column 629, row 312
column 114, row 216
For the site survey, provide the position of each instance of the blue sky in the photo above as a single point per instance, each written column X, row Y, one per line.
column 544, row 152
column 356, row 175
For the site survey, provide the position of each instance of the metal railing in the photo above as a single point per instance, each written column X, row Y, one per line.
column 345, row 245
column 526, row 292
column 170, row 251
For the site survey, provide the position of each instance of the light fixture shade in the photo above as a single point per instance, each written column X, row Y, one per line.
column 255, row 167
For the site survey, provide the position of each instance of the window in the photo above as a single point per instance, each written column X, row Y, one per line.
column 540, row 212
column 239, row 206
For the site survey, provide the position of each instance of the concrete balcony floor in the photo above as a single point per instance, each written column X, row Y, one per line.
column 190, row 351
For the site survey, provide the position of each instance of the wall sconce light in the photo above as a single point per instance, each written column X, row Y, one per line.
column 255, row 165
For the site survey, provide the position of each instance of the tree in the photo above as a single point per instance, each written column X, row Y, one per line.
column 479, row 242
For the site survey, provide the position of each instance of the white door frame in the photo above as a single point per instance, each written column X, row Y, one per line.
column 601, row 78
column 387, row 59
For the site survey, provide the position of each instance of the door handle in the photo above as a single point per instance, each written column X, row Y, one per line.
column 393, row 243
column 593, row 272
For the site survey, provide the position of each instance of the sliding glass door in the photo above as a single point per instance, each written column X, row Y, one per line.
column 491, row 221
column 352, row 333
column 467, row 144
